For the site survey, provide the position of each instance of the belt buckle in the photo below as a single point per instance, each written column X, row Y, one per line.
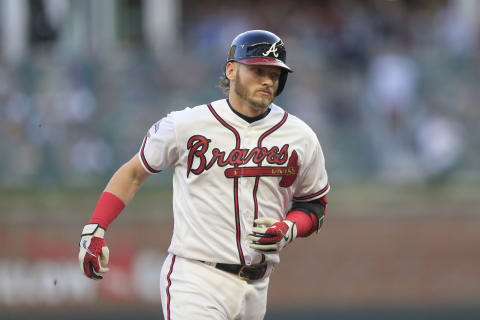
column 241, row 274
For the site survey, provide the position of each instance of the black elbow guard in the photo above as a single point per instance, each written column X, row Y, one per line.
column 318, row 207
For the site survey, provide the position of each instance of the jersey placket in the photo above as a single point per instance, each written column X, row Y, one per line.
column 245, row 194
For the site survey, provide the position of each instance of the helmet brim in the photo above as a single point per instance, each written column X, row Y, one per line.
column 265, row 62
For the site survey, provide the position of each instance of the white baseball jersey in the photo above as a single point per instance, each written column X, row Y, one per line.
column 228, row 172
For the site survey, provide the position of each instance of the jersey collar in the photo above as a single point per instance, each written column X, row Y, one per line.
column 247, row 118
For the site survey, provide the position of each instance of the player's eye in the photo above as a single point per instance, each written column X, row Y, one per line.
column 274, row 76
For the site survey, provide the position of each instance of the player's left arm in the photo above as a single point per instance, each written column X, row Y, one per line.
column 308, row 210
column 302, row 220
column 308, row 216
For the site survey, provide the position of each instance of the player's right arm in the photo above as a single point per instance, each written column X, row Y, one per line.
column 127, row 180
column 120, row 190
column 157, row 152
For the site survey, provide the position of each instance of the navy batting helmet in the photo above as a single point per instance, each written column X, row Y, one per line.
column 260, row 47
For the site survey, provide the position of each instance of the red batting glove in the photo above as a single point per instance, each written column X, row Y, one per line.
column 94, row 253
column 271, row 236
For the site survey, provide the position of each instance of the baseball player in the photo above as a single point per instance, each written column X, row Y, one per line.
column 248, row 179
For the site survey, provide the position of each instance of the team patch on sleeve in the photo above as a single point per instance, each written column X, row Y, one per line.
column 318, row 194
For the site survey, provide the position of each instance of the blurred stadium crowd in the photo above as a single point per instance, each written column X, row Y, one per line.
column 390, row 87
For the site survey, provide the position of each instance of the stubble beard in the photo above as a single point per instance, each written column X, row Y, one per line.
column 242, row 92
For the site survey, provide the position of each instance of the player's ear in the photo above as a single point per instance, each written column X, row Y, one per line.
column 231, row 70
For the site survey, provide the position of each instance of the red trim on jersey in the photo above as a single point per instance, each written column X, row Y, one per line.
column 235, row 185
column 311, row 196
column 255, row 201
column 108, row 208
column 260, row 140
column 168, row 286
column 274, row 128
column 144, row 160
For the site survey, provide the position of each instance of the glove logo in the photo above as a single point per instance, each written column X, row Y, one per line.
column 84, row 245
column 285, row 237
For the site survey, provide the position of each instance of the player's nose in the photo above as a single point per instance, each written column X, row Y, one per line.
column 267, row 81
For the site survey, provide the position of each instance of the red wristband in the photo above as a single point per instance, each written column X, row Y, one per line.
column 306, row 223
column 108, row 208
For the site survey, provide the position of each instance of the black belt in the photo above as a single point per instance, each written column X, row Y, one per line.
column 244, row 272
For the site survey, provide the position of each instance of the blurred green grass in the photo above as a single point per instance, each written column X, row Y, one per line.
column 154, row 202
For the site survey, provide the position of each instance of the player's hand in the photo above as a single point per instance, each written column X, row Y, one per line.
column 271, row 236
column 94, row 254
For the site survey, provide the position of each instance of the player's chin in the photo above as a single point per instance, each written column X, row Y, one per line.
column 267, row 102
column 263, row 100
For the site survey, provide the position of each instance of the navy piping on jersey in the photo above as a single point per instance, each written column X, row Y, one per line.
column 260, row 140
column 257, row 179
column 144, row 160
column 235, row 184
column 314, row 195
column 247, row 118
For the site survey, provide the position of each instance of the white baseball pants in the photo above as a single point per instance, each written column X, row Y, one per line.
column 191, row 289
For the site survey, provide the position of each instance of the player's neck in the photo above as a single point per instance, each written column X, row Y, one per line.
column 244, row 107
column 249, row 119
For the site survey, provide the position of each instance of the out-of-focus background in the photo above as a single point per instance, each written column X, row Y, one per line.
column 390, row 87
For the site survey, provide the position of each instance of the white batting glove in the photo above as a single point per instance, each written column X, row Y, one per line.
column 94, row 254
column 271, row 236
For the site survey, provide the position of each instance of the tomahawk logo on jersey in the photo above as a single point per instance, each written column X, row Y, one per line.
column 275, row 160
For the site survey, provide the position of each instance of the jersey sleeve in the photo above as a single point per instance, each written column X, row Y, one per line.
column 159, row 149
column 314, row 180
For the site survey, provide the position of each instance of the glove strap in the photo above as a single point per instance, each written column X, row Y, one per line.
column 93, row 229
